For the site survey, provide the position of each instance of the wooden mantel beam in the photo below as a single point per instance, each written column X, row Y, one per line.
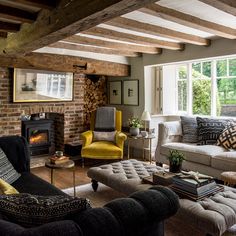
column 189, row 20
column 45, row 4
column 157, row 31
column 46, row 61
column 228, row 6
column 68, row 18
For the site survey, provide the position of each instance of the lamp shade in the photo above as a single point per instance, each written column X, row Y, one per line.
column 146, row 116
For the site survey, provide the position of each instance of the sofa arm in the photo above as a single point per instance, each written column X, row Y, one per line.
column 87, row 137
column 140, row 214
column 120, row 139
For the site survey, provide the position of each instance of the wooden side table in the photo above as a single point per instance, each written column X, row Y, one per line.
column 229, row 177
column 64, row 165
column 139, row 137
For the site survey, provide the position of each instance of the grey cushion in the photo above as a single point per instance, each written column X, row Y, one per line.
column 189, row 129
column 7, row 171
column 104, row 136
column 105, row 119
column 209, row 130
column 33, row 210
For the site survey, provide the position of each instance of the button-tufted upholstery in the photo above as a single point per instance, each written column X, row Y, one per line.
column 213, row 216
column 124, row 176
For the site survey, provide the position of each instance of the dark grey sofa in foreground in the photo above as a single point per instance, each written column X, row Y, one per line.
column 142, row 213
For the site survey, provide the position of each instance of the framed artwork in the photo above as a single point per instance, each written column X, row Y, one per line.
column 42, row 86
column 115, row 92
column 131, row 92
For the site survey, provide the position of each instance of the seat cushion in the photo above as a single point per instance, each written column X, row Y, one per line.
column 35, row 185
column 224, row 161
column 193, row 152
column 102, row 150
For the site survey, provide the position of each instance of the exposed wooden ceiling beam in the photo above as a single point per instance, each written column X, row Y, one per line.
column 88, row 48
column 228, row 6
column 65, row 20
column 189, row 20
column 157, row 30
column 3, row 34
column 53, row 62
column 9, row 27
column 113, row 45
column 112, row 34
column 17, row 14
column 45, row 4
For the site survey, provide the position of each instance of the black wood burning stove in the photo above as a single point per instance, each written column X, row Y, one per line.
column 38, row 135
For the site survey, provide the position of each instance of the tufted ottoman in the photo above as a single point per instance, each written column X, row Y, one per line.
column 124, row 176
column 212, row 216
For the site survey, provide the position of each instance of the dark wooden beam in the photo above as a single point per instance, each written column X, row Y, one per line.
column 68, row 18
column 9, row 27
column 157, row 31
column 189, row 20
column 114, row 45
column 63, row 63
column 131, row 38
column 228, row 6
column 44, row 4
column 17, row 14
column 88, row 48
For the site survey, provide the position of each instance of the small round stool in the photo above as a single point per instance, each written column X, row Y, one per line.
column 229, row 177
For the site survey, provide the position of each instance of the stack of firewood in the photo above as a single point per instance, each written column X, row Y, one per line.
column 95, row 96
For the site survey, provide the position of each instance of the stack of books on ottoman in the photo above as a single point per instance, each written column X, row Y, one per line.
column 195, row 186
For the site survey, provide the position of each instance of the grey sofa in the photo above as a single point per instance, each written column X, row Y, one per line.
column 207, row 159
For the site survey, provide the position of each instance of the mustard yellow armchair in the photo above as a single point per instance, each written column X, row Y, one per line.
column 103, row 149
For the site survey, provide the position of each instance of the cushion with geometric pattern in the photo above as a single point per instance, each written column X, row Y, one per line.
column 227, row 138
column 32, row 210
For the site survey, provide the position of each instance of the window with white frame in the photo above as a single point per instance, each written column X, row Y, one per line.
column 205, row 87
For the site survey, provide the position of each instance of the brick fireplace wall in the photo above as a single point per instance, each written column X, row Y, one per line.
column 72, row 115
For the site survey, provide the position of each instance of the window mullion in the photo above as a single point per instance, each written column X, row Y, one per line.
column 213, row 88
column 189, row 90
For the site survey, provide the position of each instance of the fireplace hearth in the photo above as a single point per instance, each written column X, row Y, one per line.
column 38, row 134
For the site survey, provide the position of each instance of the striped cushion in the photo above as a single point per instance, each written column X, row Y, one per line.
column 7, row 171
column 227, row 138
column 209, row 130
column 33, row 210
column 189, row 129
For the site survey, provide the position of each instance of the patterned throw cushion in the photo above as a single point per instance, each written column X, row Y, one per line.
column 227, row 138
column 32, row 210
column 189, row 129
column 209, row 130
column 7, row 171
column 104, row 136
column 6, row 188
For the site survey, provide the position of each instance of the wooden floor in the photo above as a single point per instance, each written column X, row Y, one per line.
column 63, row 178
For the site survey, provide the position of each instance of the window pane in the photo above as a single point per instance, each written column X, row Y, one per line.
column 206, row 68
column 226, row 97
column 182, row 71
column 221, row 67
column 182, row 95
column 196, row 70
column 202, row 97
column 232, row 67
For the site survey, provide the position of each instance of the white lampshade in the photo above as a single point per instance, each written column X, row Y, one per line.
column 146, row 116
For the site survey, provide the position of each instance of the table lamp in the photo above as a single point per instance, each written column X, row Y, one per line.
column 145, row 117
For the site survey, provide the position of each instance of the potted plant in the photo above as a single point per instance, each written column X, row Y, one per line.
column 175, row 160
column 134, row 125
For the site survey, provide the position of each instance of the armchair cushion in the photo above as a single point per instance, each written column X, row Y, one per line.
column 104, row 136
column 7, row 173
column 33, row 210
column 102, row 150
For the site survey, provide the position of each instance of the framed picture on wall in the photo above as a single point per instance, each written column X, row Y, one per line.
column 115, row 92
column 131, row 92
column 42, row 86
